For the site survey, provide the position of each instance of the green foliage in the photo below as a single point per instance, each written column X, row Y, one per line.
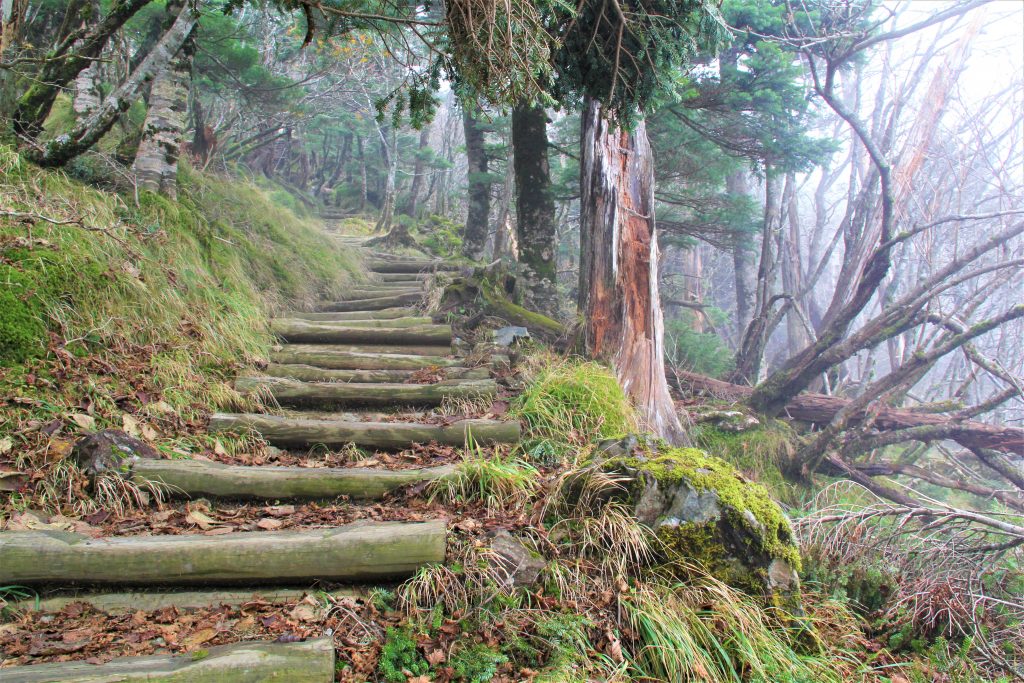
column 570, row 403
column 700, row 352
column 399, row 655
column 441, row 236
column 477, row 663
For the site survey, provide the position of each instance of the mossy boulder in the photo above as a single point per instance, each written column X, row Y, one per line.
column 704, row 511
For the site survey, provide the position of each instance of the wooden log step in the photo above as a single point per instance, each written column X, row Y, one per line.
column 330, row 332
column 412, row 321
column 379, row 290
column 309, row 373
column 311, row 661
column 407, row 278
column 383, row 314
column 342, row 358
column 435, row 350
column 381, row 266
column 292, row 432
column 290, row 392
column 199, row 478
column 373, row 304
column 354, row 552
column 184, row 601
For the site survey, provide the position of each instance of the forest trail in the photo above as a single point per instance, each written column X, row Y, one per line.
column 357, row 372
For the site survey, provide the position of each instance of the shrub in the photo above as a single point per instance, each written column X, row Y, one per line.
column 476, row 663
column 399, row 655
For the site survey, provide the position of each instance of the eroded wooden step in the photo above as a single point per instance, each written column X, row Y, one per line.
column 383, row 314
column 342, row 358
column 379, row 265
column 411, row 278
column 198, row 478
column 290, row 392
column 434, row 350
column 311, row 661
column 373, row 304
column 325, row 318
column 299, row 432
column 353, row 552
column 379, row 290
column 330, row 332
column 310, row 373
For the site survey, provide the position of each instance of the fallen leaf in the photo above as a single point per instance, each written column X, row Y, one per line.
column 6, row 445
column 200, row 520
column 218, row 448
column 280, row 510
column 82, row 420
column 304, row 612
column 12, row 480
column 269, row 524
column 219, row 531
column 58, row 449
column 199, row 637
column 436, row 657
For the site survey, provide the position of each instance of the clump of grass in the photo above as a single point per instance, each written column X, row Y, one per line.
column 571, row 403
column 706, row 631
column 499, row 481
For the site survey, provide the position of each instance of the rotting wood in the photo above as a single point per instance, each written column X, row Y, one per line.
column 293, row 432
column 319, row 332
column 309, row 373
column 297, row 393
column 382, row 314
column 372, row 304
column 433, row 350
column 310, row 661
column 337, row 358
column 820, row 409
column 354, row 552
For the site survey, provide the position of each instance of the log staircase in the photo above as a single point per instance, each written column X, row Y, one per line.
column 356, row 354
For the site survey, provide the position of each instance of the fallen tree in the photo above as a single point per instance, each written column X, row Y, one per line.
column 819, row 409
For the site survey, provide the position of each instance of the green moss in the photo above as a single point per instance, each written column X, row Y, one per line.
column 570, row 403
column 737, row 495
column 761, row 453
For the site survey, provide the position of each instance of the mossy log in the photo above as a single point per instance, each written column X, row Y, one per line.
column 317, row 332
column 292, row 432
column 292, row 392
column 406, row 267
column 311, row 661
column 309, row 373
column 373, row 304
column 337, row 358
column 183, row 601
column 382, row 314
column 355, row 552
column 198, row 478
column 411, row 278
column 395, row 323
column 435, row 350
column 375, row 291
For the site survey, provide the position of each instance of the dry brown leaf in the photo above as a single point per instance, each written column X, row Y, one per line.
column 200, row 520
column 199, row 637
column 269, row 524
column 82, row 420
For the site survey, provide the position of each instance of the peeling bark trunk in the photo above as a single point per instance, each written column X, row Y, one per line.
column 619, row 266
column 87, row 87
column 12, row 16
column 535, row 208
column 478, row 186
column 156, row 160
column 389, row 150
column 66, row 147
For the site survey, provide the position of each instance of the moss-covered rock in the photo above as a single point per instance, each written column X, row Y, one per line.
column 704, row 511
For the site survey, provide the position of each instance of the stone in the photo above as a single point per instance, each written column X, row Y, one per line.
column 728, row 420
column 705, row 512
column 110, row 450
column 515, row 561
column 507, row 336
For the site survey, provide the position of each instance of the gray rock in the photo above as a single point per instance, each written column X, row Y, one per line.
column 507, row 336
column 110, row 450
column 518, row 564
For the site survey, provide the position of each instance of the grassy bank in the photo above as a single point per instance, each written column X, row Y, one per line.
column 133, row 312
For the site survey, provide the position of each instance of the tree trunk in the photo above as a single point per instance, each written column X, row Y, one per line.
column 12, row 17
column 156, row 160
column 478, row 193
column 744, row 268
column 418, row 169
column 65, row 63
column 535, row 208
column 58, row 152
column 619, row 297
column 389, row 149
column 87, row 85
